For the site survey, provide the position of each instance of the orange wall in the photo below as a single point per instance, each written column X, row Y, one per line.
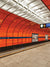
column 15, row 26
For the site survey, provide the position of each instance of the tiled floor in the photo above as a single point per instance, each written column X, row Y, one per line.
column 36, row 57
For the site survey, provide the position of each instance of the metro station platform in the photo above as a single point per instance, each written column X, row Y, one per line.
column 36, row 57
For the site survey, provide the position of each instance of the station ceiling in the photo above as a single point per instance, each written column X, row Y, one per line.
column 37, row 11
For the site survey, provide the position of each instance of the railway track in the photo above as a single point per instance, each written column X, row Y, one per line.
column 14, row 51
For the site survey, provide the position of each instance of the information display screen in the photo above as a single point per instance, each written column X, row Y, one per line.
column 45, row 25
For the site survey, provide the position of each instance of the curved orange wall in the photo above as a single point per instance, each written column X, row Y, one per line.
column 15, row 26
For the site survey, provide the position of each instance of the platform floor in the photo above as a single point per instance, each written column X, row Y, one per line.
column 36, row 57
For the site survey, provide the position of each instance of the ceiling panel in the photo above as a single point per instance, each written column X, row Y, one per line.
column 33, row 10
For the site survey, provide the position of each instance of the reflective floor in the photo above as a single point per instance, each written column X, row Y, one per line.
column 36, row 57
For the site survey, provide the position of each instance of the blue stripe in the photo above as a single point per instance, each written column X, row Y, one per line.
column 18, row 37
column 13, row 37
column 41, row 37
